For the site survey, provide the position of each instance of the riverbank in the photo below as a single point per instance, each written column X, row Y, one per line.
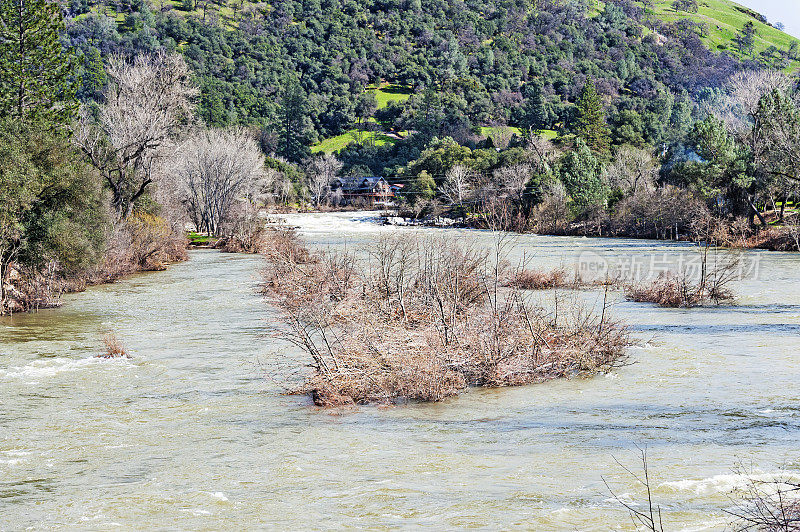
column 133, row 248
column 771, row 238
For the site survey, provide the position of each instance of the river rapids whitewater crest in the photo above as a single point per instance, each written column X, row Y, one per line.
column 194, row 431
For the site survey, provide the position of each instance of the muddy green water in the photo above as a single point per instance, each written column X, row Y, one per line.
column 194, row 432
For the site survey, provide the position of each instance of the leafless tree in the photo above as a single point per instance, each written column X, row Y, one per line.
column 777, row 126
column 793, row 230
column 217, row 168
column 544, row 152
column 632, row 170
column 321, row 173
column 552, row 214
column 744, row 91
column 740, row 111
column 284, row 188
column 147, row 101
column 511, row 181
column 457, row 185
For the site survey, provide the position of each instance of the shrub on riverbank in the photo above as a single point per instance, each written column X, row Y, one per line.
column 144, row 242
column 422, row 319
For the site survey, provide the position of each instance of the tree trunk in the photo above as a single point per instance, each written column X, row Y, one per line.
column 783, row 207
column 3, row 273
column 756, row 212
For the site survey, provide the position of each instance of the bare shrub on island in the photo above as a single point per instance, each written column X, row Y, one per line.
column 527, row 279
column 113, row 347
column 421, row 319
column 717, row 269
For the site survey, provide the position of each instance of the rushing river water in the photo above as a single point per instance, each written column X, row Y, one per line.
column 194, row 431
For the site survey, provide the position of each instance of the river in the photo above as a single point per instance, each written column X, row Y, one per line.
column 195, row 430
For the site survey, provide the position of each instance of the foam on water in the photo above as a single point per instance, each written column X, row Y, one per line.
column 45, row 368
column 707, row 525
column 729, row 483
column 350, row 222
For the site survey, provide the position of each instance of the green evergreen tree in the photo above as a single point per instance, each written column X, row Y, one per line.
column 50, row 201
column 294, row 131
column 536, row 115
column 580, row 173
column 422, row 187
column 746, row 38
column 591, row 125
column 93, row 76
column 36, row 72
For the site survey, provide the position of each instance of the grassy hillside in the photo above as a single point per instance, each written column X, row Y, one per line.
column 725, row 19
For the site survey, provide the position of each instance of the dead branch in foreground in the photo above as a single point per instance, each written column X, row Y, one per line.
column 765, row 505
column 649, row 516
column 421, row 319
column 768, row 505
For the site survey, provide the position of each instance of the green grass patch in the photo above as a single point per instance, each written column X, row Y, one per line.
column 390, row 93
column 198, row 239
column 339, row 142
column 549, row 134
column 494, row 131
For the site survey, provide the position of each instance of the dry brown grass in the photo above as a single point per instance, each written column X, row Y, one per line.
column 526, row 279
column 668, row 290
column 421, row 319
column 113, row 347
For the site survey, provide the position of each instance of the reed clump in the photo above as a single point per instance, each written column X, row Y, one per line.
column 113, row 347
column 420, row 319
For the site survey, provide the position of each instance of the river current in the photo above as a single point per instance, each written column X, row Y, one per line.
column 195, row 432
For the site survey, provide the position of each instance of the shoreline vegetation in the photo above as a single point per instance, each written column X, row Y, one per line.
column 421, row 319
column 771, row 238
column 142, row 244
column 117, row 137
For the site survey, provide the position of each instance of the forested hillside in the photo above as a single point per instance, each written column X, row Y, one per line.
column 298, row 70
